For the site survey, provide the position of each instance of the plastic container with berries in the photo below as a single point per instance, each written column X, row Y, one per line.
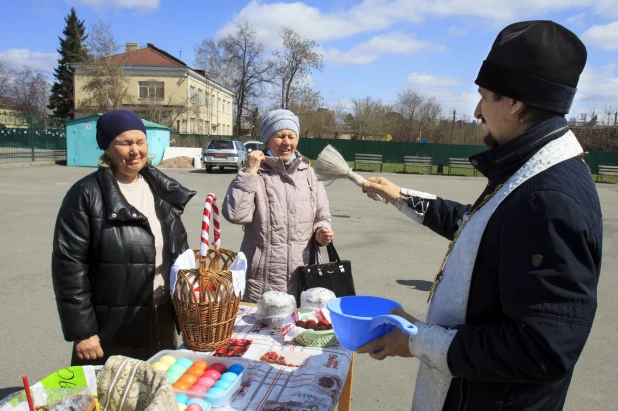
column 312, row 329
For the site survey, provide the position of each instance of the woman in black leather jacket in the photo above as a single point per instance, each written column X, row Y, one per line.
column 118, row 232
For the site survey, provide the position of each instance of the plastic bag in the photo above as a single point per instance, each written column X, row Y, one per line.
column 51, row 399
column 274, row 306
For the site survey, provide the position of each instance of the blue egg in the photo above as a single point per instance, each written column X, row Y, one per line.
column 205, row 406
column 222, row 384
column 228, row 376
column 176, row 369
column 182, row 398
column 185, row 363
column 215, row 391
column 236, row 369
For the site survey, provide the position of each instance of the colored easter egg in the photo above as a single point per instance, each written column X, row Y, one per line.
column 222, row 384
column 236, row 369
column 160, row 366
column 215, row 375
column 215, row 391
column 189, row 379
column 228, row 376
column 194, row 407
column 174, row 369
column 181, row 406
column 182, row 398
column 197, row 391
column 185, row 362
column 206, row 382
column 173, row 377
column 180, row 385
column 167, row 359
column 205, row 406
column 200, row 364
column 197, row 372
column 221, row 368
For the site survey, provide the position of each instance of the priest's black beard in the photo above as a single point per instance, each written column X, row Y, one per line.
column 490, row 141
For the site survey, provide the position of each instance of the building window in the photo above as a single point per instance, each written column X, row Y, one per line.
column 199, row 97
column 219, row 104
column 229, row 107
column 183, row 128
column 193, row 126
column 192, row 94
column 151, row 90
column 214, row 129
column 212, row 103
column 200, row 130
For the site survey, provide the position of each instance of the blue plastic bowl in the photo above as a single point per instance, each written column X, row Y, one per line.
column 350, row 317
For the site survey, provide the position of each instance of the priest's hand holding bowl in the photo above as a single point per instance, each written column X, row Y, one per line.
column 393, row 344
column 389, row 191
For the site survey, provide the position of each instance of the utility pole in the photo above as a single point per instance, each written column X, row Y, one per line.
column 180, row 58
column 453, row 125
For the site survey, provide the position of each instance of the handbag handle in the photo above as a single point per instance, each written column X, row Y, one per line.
column 330, row 248
column 211, row 208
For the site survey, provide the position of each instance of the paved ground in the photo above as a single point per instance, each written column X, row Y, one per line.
column 391, row 257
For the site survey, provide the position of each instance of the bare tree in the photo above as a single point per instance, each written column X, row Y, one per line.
column 167, row 112
column 314, row 121
column 370, row 118
column 295, row 62
column 106, row 84
column 29, row 90
column 237, row 62
column 7, row 72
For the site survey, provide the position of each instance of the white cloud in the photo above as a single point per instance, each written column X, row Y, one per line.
column 577, row 20
column 372, row 49
column 142, row 5
column 429, row 80
column 597, row 85
column 371, row 16
column 35, row 59
column 605, row 37
column 457, row 31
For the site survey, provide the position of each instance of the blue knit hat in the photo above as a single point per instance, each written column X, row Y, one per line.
column 278, row 120
column 114, row 123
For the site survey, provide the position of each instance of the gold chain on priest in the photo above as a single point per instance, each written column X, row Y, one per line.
column 457, row 233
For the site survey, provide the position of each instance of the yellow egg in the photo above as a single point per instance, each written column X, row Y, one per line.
column 181, row 406
column 160, row 366
column 168, row 359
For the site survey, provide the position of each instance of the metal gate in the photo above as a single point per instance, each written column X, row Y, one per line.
column 31, row 138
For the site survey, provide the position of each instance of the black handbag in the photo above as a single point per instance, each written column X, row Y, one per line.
column 336, row 275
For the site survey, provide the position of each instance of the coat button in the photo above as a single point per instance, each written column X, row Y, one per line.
column 475, row 163
column 134, row 215
column 459, row 222
column 114, row 215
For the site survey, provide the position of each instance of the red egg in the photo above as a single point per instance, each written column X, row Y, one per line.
column 221, row 368
column 194, row 407
column 206, row 382
column 214, row 374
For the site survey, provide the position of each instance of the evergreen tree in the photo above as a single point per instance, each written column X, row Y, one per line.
column 72, row 50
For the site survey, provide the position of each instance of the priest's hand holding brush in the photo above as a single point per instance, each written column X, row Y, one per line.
column 386, row 189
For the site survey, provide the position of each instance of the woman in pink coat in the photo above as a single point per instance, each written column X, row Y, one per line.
column 281, row 204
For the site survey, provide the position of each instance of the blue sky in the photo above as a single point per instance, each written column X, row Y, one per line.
column 371, row 48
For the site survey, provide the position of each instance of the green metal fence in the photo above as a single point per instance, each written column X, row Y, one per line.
column 30, row 138
column 392, row 152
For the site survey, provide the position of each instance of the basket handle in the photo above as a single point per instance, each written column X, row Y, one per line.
column 211, row 208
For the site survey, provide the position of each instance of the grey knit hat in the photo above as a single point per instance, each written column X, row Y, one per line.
column 278, row 120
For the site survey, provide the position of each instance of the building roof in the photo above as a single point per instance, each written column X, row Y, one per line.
column 149, row 56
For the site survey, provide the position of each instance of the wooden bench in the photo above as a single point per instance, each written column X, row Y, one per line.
column 607, row 171
column 415, row 161
column 368, row 159
column 460, row 163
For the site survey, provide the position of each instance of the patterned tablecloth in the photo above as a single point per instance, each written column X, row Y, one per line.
column 296, row 378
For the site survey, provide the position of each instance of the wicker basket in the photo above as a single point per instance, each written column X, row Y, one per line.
column 207, row 316
column 203, row 298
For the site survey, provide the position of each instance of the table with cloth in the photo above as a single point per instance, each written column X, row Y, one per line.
column 295, row 378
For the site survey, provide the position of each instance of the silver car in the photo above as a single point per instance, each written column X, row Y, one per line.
column 254, row 145
column 224, row 153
